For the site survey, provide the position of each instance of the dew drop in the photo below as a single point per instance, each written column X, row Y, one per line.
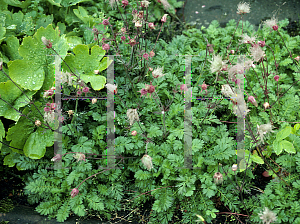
column 33, row 82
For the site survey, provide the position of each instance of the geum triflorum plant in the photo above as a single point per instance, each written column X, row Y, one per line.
column 218, row 65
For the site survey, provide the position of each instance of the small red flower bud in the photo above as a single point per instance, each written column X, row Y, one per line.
column 123, row 38
column 85, row 89
column 74, row 192
column 151, row 54
column 252, row 100
column 275, row 28
column 276, row 77
column 125, row 3
column 146, row 56
column 105, row 47
column 105, row 22
column 46, row 109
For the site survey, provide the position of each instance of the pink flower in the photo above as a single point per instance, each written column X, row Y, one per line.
column 297, row 58
column 276, row 77
column 164, row 18
column 123, row 38
column 125, row 3
column 52, row 106
column 105, row 22
column 105, row 47
column 143, row 92
column 46, row 42
column 46, row 109
column 134, row 133
column 74, row 192
column 151, row 26
column 132, row 42
column 262, row 43
column 275, row 28
column 151, row 54
column 204, row 87
column 146, row 56
column 57, row 157
column 150, row 88
column 141, row 14
column 252, row 100
column 183, row 87
column 79, row 92
column 85, row 89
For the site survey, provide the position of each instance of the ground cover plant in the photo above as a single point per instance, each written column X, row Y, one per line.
column 149, row 94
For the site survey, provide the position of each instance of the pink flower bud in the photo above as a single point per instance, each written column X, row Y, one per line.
column 276, row 77
column 141, row 14
column 125, row 3
column 151, row 26
column 123, row 38
column 261, row 43
column 134, row 133
column 74, row 192
column 57, row 157
column 146, row 56
column 164, row 18
column 150, row 88
column 46, row 42
column 183, row 87
column 297, row 58
column 46, row 109
column 275, row 28
column 143, row 92
column 150, row 69
column 105, row 22
column 79, row 92
column 151, row 54
column 105, row 47
column 52, row 106
column 85, row 89
column 232, row 52
column 252, row 100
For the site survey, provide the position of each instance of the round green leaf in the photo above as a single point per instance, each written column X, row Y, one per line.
column 288, row 146
column 284, row 133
